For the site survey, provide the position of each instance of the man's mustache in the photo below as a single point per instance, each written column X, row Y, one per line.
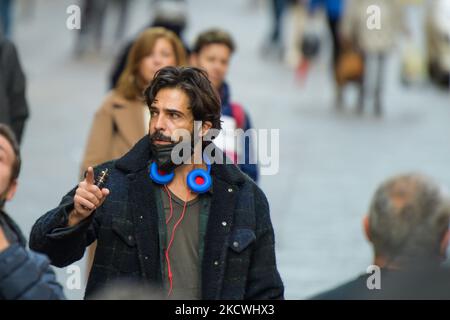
column 158, row 135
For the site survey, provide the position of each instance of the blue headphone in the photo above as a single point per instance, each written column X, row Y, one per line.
column 198, row 180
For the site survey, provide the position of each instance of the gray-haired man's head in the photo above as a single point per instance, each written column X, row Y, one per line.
column 408, row 220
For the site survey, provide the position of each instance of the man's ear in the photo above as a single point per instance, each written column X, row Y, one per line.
column 366, row 227
column 444, row 243
column 206, row 125
column 12, row 190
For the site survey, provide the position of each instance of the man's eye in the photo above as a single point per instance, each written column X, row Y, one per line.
column 174, row 116
column 153, row 113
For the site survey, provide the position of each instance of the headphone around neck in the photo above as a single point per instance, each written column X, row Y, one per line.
column 198, row 180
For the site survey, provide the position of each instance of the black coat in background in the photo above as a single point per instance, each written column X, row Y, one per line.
column 13, row 104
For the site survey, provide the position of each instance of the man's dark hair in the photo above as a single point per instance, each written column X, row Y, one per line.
column 8, row 134
column 203, row 99
column 408, row 219
column 214, row 36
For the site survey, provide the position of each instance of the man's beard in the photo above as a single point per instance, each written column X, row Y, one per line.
column 162, row 153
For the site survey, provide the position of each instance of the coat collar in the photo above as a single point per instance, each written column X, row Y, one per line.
column 137, row 158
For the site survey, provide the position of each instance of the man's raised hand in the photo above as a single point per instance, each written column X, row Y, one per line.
column 88, row 197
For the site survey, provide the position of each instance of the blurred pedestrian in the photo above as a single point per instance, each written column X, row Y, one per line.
column 125, row 289
column 372, row 26
column 408, row 227
column 278, row 11
column 94, row 15
column 168, row 14
column 23, row 274
column 122, row 6
column 6, row 17
column 13, row 103
column 274, row 45
column 333, row 10
column 91, row 31
column 212, row 52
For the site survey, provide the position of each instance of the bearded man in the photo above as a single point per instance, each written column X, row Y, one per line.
column 189, row 229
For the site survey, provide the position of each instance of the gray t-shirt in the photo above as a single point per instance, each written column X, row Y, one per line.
column 184, row 253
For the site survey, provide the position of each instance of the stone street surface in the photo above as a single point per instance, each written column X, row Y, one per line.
column 329, row 162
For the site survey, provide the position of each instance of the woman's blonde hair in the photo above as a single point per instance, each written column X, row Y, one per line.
column 131, row 84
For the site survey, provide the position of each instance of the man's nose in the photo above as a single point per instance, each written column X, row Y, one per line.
column 216, row 66
column 160, row 123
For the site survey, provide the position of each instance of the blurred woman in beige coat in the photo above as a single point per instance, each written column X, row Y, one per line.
column 123, row 117
column 372, row 26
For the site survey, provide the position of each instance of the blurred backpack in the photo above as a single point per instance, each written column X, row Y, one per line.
column 310, row 43
column 238, row 113
column 310, row 46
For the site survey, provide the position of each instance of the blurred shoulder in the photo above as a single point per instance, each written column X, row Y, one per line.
column 113, row 100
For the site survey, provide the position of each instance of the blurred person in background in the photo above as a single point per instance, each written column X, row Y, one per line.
column 299, row 13
column 168, row 14
column 122, row 9
column 13, row 103
column 408, row 227
column 94, row 13
column 6, row 17
column 333, row 10
column 91, row 31
column 128, row 290
column 307, row 34
column 23, row 274
column 438, row 40
column 372, row 27
column 274, row 45
column 212, row 52
column 123, row 118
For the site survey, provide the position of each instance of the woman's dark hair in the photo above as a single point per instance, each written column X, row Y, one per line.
column 204, row 100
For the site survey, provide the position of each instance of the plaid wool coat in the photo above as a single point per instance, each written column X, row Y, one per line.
column 239, row 254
